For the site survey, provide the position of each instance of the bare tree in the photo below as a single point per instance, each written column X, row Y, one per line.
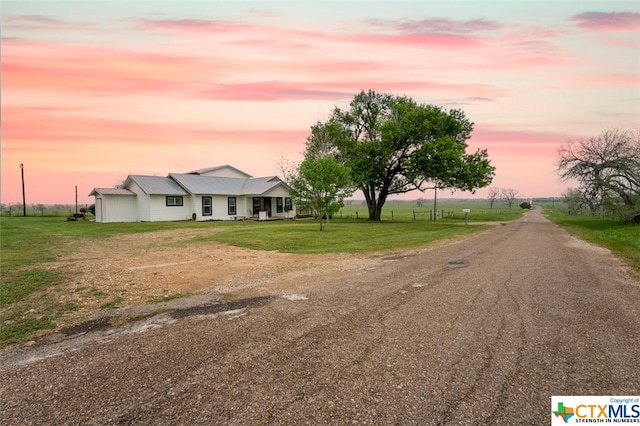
column 509, row 196
column 119, row 183
column 494, row 195
column 287, row 169
column 606, row 166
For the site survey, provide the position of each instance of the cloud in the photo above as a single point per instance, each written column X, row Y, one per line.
column 115, row 71
column 398, row 37
column 65, row 128
column 337, row 90
column 193, row 25
column 272, row 91
column 434, row 41
column 434, row 33
column 438, row 26
column 65, row 67
column 482, row 44
column 42, row 22
column 518, row 143
column 608, row 21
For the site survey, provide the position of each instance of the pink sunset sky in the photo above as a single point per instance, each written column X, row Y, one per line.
column 95, row 90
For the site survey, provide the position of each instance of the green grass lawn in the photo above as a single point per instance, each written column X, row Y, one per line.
column 341, row 236
column 621, row 238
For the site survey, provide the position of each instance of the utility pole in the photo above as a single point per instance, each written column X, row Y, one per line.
column 435, row 201
column 76, row 199
column 24, row 202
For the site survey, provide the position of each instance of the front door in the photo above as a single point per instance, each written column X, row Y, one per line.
column 266, row 205
column 261, row 204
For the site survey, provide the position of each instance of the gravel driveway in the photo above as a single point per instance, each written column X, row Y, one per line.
column 481, row 331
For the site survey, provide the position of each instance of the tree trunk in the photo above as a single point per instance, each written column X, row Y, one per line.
column 375, row 212
column 374, row 204
column 375, row 208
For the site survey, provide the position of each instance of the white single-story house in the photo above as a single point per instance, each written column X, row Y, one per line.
column 216, row 193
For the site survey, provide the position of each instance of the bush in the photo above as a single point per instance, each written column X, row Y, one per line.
column 525, row 205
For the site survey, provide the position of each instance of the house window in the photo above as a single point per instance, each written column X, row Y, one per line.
column 173, row 200
column 206, row 206
column 231, row 206
column 288, row 205
column 279, row 205
column 256, row 205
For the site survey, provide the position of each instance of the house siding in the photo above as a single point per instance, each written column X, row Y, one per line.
column 243, row 206
column 142, row 203
column 159, row 211
column 116, row 208
column 219, row 208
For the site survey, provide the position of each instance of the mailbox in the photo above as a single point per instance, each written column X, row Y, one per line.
column 466, row 211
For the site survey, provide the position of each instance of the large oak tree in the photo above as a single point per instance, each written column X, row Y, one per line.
column 607, row 167
column 393, row 145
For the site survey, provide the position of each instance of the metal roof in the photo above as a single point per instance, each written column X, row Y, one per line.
column 110, row 191
column 156, row 185
column 189, row 183
column 213, row 169
column 260, row 185
column 196, row 184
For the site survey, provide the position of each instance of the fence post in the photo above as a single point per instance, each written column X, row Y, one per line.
column 356, row 214
column 414, row 215
column 391, row 214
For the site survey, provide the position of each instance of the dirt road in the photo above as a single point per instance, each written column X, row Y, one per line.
column 481, row 331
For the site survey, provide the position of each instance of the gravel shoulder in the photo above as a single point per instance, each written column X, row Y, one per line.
column 467, row 333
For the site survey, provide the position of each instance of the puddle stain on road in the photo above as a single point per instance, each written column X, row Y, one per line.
column 457, row 264
column 105, row 323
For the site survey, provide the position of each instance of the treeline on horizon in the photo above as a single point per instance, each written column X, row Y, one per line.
column 456, row 200
column 16, row 209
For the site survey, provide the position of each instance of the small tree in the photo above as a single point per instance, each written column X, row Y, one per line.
column 509, row 196
column 321, row 186
column 494, row 195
